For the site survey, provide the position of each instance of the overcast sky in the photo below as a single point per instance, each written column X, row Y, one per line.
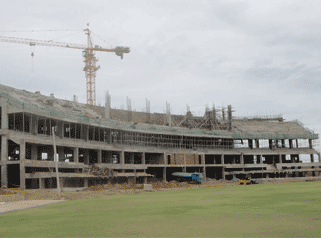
column 262, row 57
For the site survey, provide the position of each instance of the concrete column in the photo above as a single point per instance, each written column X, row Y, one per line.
column 4, row 113
column 143, row 158
column 184, row 159
column 62, row 182
column 319, row 157
column 86, row 182
column 122, row 157
column 86, row 157
column 280, row 158
column 145, row 178
column 42, row 183
column 4, row 158
column 132, row 159
column 165, row 159
column 34, row 152
column 257, row 143
column 203, row 158
column 99, row 156
column 164, row 174
column 222, row 159
column 22, row 155
column 242, row 159
column 291, row 143
column 76, row 155
column 204, row 169
column 311, row 158
column 61, row 154
column 283, row 143
column 261, row 159
column 223, row 173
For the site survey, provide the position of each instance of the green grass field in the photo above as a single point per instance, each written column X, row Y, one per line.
column 268, row 210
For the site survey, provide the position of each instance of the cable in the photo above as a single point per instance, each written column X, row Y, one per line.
column 101, row 38
column 42, row 30
column 65, row 36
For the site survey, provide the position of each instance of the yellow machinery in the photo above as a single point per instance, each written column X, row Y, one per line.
column 246, row 181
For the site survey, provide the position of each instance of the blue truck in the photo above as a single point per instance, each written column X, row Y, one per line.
column 192, row 177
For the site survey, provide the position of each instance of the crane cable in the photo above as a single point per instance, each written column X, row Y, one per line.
column 42, row 30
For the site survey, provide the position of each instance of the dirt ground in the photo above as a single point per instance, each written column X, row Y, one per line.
column 13, row 206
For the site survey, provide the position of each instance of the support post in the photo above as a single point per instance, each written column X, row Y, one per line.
column 222, row 158
column 122, row 157
column 223, row 173
column 56, row 162
column 203, row 159
column 4, row 158
column 34, row 152
column 164, row 174
column 42, row 183
column 143, row 158
column 22, row 155
column 204, row 169
column 145, row 178
column 311, row 158
column 4, row 113
column 132, row 158
column 76, row 155
column 261, row 159
column 86, row 182
column 99, row 156
column 61, row 154
column 242, row 159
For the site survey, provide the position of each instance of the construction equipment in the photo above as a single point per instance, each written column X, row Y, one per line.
column 88, row 53
column 191, row 177
column 247, row 181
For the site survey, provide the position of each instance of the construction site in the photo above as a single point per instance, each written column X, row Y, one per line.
column 101, row 145
column 48, row 142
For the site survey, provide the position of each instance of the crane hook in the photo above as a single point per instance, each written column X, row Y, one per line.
column 32, row 54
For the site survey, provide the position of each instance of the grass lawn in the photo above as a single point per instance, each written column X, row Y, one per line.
column 268, row 210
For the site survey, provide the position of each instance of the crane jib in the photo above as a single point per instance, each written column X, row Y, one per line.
column 88, row 54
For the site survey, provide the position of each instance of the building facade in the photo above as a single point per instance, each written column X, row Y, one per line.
column 140, row 146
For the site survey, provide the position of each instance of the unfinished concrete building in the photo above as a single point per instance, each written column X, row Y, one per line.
column 142, row 146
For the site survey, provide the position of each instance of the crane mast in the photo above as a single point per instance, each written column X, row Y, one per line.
column 90, row 69
column 88, row 54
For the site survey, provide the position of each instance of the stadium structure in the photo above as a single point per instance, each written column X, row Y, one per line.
column 98, row 144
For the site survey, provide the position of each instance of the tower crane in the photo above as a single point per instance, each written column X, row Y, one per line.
column 88, row 53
